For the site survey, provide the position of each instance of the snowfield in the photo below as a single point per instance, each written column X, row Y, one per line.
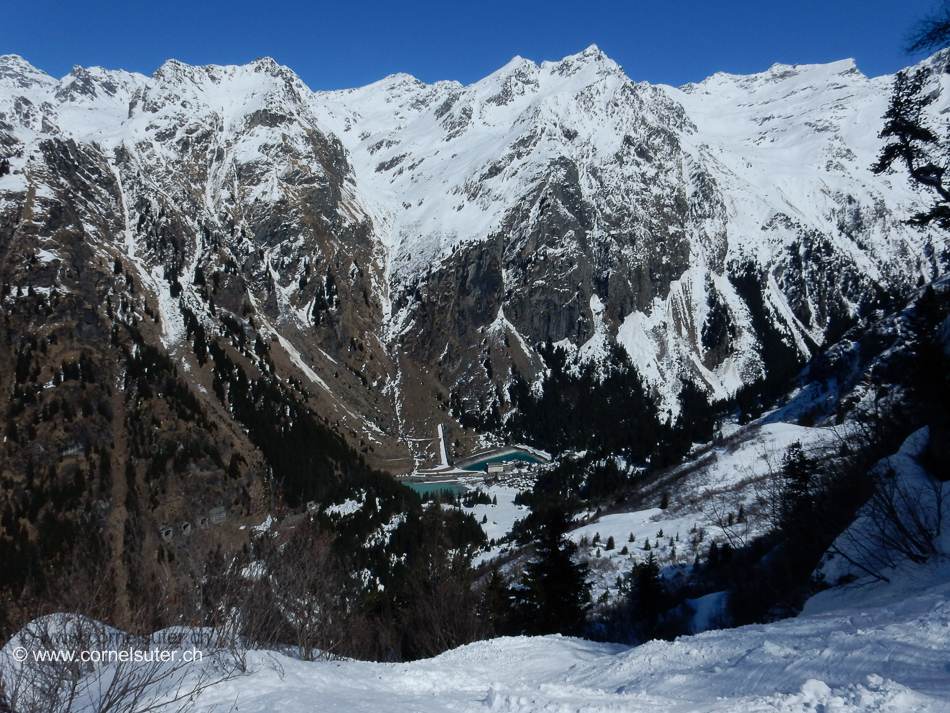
column 891, row 658
column 501, row 517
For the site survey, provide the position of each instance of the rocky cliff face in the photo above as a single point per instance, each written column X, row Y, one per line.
column 386, row 251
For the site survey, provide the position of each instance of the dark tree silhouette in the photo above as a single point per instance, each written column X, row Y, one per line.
column 911, row 143
column 555, row 593
column 914, row 146
column 932, row 32
column 799, row 488
column 648, row 598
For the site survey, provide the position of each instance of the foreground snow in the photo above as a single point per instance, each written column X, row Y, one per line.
column 894, row 657
column 891, row 658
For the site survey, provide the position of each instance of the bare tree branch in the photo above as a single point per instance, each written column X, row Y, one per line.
column 932, row 32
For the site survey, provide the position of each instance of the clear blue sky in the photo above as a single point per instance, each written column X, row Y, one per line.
column 348, row 43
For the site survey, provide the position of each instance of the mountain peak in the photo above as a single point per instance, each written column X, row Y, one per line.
column 593, row 54
column 400, row 78
column 269, row 66
column 514, row 64
column 518, row 67
column 17, row 72
column 172, row 70
column 265, row 64
column 592, row 57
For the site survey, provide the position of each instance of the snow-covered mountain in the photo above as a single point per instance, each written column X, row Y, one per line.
column 404, row 245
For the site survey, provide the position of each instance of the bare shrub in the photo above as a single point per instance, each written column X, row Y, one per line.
column 63, row 663
column 288, row 591
column 903, row 518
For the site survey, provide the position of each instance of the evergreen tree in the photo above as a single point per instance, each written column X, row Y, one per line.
column 798, row 474
column 926, row 374
column 555, row 594
column 647, row 596
column 912, row 144
column 495, row 608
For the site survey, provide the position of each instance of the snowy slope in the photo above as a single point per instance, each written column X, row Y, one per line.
column 737, row 475
column 902, row 522
column 705, row 496
column 453, row 160
column 832, row 662
column 890, row 658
